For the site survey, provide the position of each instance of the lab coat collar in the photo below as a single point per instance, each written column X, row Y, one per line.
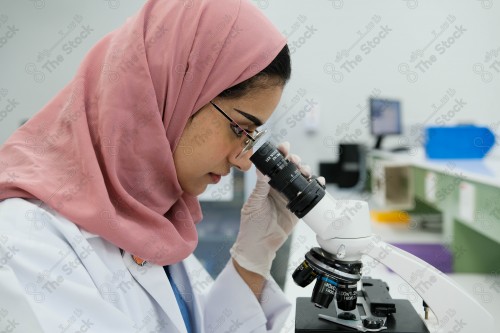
column 161, row 287
column 154, row 280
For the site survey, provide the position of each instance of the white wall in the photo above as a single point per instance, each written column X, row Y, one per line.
column 317, row 32
column 47, row 25
column 342, row 99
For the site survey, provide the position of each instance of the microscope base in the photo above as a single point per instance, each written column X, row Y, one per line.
column 375, row 294
column 405, row 320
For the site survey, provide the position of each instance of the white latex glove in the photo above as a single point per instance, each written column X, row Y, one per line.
column 266, row 223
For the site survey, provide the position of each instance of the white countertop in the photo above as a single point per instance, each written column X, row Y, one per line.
column 485, row 170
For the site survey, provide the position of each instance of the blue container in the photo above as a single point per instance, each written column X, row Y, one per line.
column 458, row 142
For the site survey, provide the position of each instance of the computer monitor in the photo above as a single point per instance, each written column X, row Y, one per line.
column 385, row 118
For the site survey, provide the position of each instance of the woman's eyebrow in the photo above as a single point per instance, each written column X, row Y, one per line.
column 250, row 117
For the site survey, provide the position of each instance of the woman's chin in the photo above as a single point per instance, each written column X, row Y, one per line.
column 196, row 191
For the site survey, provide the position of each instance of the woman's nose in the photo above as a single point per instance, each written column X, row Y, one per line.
column 242, row 162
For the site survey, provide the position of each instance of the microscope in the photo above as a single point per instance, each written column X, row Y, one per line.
column 343, row 232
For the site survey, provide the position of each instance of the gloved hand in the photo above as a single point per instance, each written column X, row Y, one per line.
column 266, row 223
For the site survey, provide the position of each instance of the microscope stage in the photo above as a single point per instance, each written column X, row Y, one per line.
column 405, row 320
column 373, row 298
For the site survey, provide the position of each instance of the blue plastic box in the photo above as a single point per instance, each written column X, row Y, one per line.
column 458, row 142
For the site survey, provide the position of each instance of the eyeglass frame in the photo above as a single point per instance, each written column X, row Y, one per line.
column 250, row 141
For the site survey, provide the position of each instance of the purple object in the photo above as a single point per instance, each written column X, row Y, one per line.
column 435, row 254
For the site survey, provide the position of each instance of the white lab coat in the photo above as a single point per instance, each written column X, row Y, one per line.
column 58, row 278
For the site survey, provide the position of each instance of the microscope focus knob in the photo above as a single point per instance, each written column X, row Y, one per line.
column 373, row 323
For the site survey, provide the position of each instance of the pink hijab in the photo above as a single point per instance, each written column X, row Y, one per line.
column 101, row 152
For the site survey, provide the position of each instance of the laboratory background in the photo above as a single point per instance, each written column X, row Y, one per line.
column 394, row 102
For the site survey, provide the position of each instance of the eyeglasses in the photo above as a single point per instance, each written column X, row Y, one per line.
column 250, row 141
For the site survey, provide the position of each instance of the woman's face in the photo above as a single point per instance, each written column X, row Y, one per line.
column 208, row 146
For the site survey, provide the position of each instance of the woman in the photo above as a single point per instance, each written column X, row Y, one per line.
column 97, row 222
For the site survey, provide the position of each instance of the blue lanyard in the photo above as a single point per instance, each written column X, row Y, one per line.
column 180, row 301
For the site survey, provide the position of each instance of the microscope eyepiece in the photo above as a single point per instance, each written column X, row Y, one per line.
column 302, row 193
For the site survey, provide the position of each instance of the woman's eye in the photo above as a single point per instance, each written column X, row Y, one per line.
column 237, row 130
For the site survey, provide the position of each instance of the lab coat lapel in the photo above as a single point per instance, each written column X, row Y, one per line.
column 200, row 282
column 154, row 280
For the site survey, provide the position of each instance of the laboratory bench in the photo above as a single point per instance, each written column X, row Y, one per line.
column 467, row 195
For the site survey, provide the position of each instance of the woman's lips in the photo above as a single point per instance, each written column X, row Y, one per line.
column 215, row 177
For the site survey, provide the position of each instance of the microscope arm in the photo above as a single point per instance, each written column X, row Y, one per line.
column 455, row 310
